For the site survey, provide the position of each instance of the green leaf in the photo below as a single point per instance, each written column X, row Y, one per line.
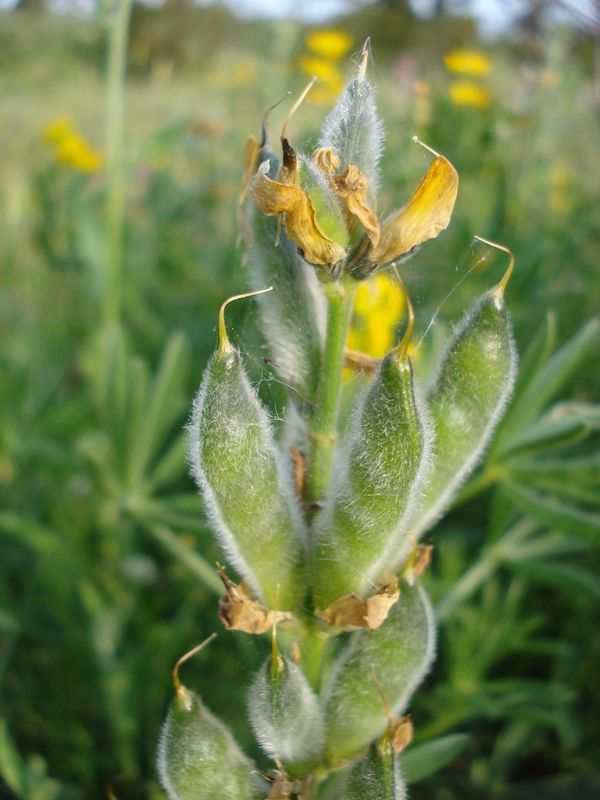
column 549, row 380
column 11, row 763
column 552, row 512
column 422, row 760
column 543, row 434
column 563, row 576
column 576, row 479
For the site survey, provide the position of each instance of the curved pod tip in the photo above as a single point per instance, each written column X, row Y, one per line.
column 225, row 345
column 498, row 291
column 179, row 688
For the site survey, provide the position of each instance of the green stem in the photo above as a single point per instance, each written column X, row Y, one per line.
column 118, row 40
column 323, row 430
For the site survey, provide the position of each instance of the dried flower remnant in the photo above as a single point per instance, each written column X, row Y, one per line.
column 346, row 178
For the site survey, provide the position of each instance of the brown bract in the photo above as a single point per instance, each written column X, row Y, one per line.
column 426, row 214
column 239, row 611
column 353, row 186
column 276, row 198
column 350, row 611
column 401, row 734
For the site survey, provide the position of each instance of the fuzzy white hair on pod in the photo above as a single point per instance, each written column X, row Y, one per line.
column 421, row 523
column 287, row 721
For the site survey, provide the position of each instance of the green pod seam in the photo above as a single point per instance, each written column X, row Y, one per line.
column 467, row 398
column 376, row 776
column 400, row 651
column 198, row 757
column 383, row 470
column 248, row 498
column 285, row 714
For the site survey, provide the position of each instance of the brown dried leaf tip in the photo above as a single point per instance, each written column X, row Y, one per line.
column 239, row 611
column 350, row 611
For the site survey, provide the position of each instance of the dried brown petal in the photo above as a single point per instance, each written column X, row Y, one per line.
column 401, row 734
column 426, row 214
column 239, row 611
column 353, row 186
column 273, row 197
column 350, row 611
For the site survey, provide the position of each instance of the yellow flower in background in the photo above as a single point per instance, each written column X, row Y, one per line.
column 75, row 152
column 332, row 44
column 378, row 308
column 468, row 93
column 58, row 129
column 468, row 62
column 70, row 147
column 327, row 47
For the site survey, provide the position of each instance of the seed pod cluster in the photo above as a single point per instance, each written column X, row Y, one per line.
column 330, row 555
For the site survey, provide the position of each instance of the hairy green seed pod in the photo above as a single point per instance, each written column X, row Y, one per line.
column 293, row 316
column 353, row 130
column 467, row 398
column 400, row 652
column 376, row 776
column 284, row 712
column 385, row 464
column 248, row 499
column 198, row 757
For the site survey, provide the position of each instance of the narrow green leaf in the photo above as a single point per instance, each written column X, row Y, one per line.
column 552, row 512
column 563, row 576
column 550, row 379
column 422, row 760
column 11, row 763
column 543, row 434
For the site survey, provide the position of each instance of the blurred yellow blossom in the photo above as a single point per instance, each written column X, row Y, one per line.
column 468, row 93
column 332, row 44
column 70, row 147
column 468, row 62
column 58, row 129
column 331, row 78
column 378, row 308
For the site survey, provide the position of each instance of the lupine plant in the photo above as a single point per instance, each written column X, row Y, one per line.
column 323, row 522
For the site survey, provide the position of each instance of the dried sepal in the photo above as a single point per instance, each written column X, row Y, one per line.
column 300, row 221
column 351, row 611
column 401, row 734
column 240, row 611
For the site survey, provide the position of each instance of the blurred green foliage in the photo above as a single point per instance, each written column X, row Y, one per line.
column 106, row 570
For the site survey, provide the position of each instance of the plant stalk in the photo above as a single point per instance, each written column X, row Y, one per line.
column 118, row 40
column 323, row 428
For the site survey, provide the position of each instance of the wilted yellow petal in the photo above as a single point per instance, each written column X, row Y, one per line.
column 353, row 186
column 273, row 197
column 325, row 160
column 426, row 214
column 251, row 152
column 239, row 611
